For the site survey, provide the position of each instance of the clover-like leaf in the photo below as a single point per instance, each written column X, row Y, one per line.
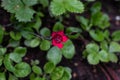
column 54, row 55
column 15, row 35
column 57, row 73
column 22, row 69
column 116, row 35
column 97, row 35
column 49, row 67
column 45, row 45
column 68, row 49
column 114, row 47
column 104, row 56
column 93, row 59
column 37, row 70
column 113, row 57
column 92, row 48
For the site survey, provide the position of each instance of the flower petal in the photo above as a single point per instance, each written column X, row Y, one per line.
column 65, row 38
column 60, row 45
column 61, row 33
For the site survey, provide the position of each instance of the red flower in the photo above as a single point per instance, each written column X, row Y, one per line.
column 58, row 38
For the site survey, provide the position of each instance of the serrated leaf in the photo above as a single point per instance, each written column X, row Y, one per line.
column 74, row 6
column 25, row 14
column 22, row 69
column 54, row 55
column 49, row 67
column 30, row 2
column 57, row 8
column 114, row 47
column 68, row 49
column 11, row 5
column 37, row 70
column 45, row 45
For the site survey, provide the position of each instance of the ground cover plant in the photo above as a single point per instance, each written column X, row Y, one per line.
column 40, row 37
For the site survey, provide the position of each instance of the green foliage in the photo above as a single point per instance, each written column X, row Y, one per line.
column 22, row 69
column 1, row 33
column 58, row 27
column 45, row 45
column 37, row 70
column 68, row 50
column 54, row 55
column 116, row 35
column 21, row 8
column 59, row 7
column 103, row 53
column 49, row 67
column 2, row 76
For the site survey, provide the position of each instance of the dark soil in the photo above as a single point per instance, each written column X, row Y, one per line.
column 81, row 70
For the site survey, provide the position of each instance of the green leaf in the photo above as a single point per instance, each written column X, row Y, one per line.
column 114, row 47
column 45, row 45
column 92, row 48
column 15, row 35
column 44, row 3
column 8, row 63
column 37, row 70
column 11, row 5
column 34, row 42
column 24, row 14
column 57, row 73
column 84, row 22
column 1, row 33
column 45, row 32
column 96, row 7
column 101, row 20
column 97, row 35
column 70, row 30
column 22, row 69
column 93, row 59
column 104, row 56
column 37, row 24
column 13, row 43
column 21, row 51
column 12, row 77
column 2, row 76
column 49, row 67
column 57, row 7
column 54, row 55
column 74, row 6
column 2, row 51
column 1, row 60
column 104, row 45
column 15, row 57
column 68, row 49
column 58, row 26
column 113, row 57
column 30, row 2
column 116, row 35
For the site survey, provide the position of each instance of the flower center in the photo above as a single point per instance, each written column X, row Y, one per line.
column 58, row 38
